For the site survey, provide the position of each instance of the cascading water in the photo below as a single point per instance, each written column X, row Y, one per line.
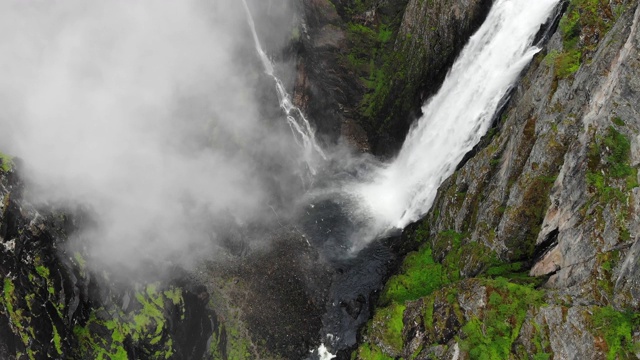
column 454, row 120
column 457, row 116
column 400, row 192
column 302, row 131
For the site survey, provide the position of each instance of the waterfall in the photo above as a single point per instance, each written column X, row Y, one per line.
column 303, row 133
column 457, row 116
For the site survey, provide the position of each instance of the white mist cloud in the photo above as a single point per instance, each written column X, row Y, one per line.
column 143, row 110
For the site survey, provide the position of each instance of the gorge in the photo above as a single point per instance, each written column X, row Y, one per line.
column 223, row 239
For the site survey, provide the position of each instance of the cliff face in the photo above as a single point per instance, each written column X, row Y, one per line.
column 366, row 67
column 531, row 248
column 51, row 306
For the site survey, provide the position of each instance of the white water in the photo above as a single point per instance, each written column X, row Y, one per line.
column 457, row 116
column 302, row 131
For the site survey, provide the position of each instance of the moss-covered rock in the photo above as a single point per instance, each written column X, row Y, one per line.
column 52, row 306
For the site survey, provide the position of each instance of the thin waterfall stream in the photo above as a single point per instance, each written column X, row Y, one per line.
column 303, row 132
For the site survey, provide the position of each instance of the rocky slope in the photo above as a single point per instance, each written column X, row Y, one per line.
column 531, row 248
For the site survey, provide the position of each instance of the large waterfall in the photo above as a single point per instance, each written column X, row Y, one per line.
column 454, row 121
column 458, row 115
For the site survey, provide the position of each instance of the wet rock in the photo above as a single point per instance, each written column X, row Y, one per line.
column 52, row 307
column 365, row 68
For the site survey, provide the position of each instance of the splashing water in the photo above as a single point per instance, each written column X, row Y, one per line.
column 457, row 116
column 302, row 131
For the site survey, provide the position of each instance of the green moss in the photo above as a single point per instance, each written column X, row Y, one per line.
column 56, row 340
column 6, row 162
column 617, row 330
column 581, row 27
column 82, row 263
column 373, row 58
column 608, row 161
column 215, row 345
column 618, row 121
column 420, row 276
column 8, row 288
column 145, row 327
column 387, row 326
column 619, row 149
column 368, row 351
column 567, row 63
column 492, row 334
column 529, row 216
column 238, row 346
column 43, row 271
column 503, row 269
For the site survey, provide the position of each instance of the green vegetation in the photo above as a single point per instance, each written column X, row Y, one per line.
column 492, row 334
column 12, row 306
column 618, row 121
column 420, row 276
column 42, row 271
column 530, row 215
column 387, row 326
column 56, row 340
column 584, row 23
column 608, row 162
column 6, row 162
column 373, row 57
column 617, row 330
column 104, row 338
column 215, row 344
column 372, row 352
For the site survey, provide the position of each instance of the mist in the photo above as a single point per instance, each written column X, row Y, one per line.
column 151, row 114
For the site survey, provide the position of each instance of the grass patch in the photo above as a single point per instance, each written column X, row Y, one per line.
column 492, row 334
column 420, row 276
column 387, row 326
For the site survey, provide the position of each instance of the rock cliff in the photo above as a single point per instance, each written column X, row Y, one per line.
column 366, row 67
column 530, row 249
column 53, row 306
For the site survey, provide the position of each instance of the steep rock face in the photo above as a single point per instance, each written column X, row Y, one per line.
column 366, row 66
column 52, row 306
column 38, row 299
column 552, row 193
